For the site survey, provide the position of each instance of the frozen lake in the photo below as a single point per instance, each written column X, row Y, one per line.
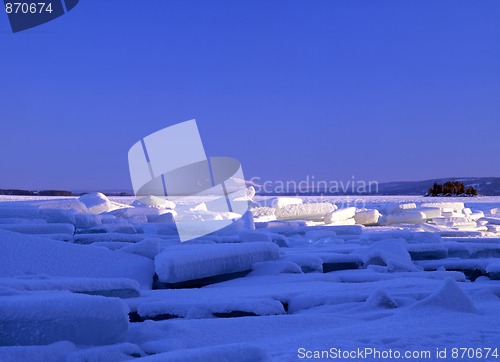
column 363, row 278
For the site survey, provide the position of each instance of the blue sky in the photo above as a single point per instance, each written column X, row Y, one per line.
column 379, row 90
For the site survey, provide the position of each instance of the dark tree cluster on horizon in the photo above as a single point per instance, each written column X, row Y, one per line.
column 451, row 188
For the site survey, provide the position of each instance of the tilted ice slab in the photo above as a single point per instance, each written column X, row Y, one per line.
column 26, row 254
column 108, row 287
column 198, row 308
column 191, row 262
column 39, row 228
column 340, row 215
column 491, row 220
column 56, row 316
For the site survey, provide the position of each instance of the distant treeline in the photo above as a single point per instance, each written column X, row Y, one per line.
column 18, row 192
column 451, row 188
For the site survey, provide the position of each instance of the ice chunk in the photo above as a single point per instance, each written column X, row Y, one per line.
column 26, row 254
column 255, row 235
column 455, row 206
column 406, row 217
column 41, row 318
column 494, row 228
column 344, row 222
column 450, row 221
column 380, row 299
column 190, row 262
column 313, row 211
column 109, row 237
column 280, row 224
column 493, row 270
column 168, row 217
column 129, row 212
column 86, row 221
column 340, row 215
column 59, row 216
column 275, row 267
column 280, row 201
column 262, row 211
column 390, row 253
column 307, row 262
column 367, row 217
column 72, row 204
column 18, row 220
column 476, row 215
column 400, row 208
column 19, row 212
column 430, row 212
column 96, row 203
column 450, row 297
column 315, row 235
column 427, row 251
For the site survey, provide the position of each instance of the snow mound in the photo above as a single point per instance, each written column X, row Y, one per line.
column 380, row 299
column 154, row 201
column 191, row 262
column 450, row 297
column 26, row 254
column 56, row 316
column 148, row 248
column 96, row 203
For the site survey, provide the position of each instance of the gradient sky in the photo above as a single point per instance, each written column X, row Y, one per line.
column 378, row 90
